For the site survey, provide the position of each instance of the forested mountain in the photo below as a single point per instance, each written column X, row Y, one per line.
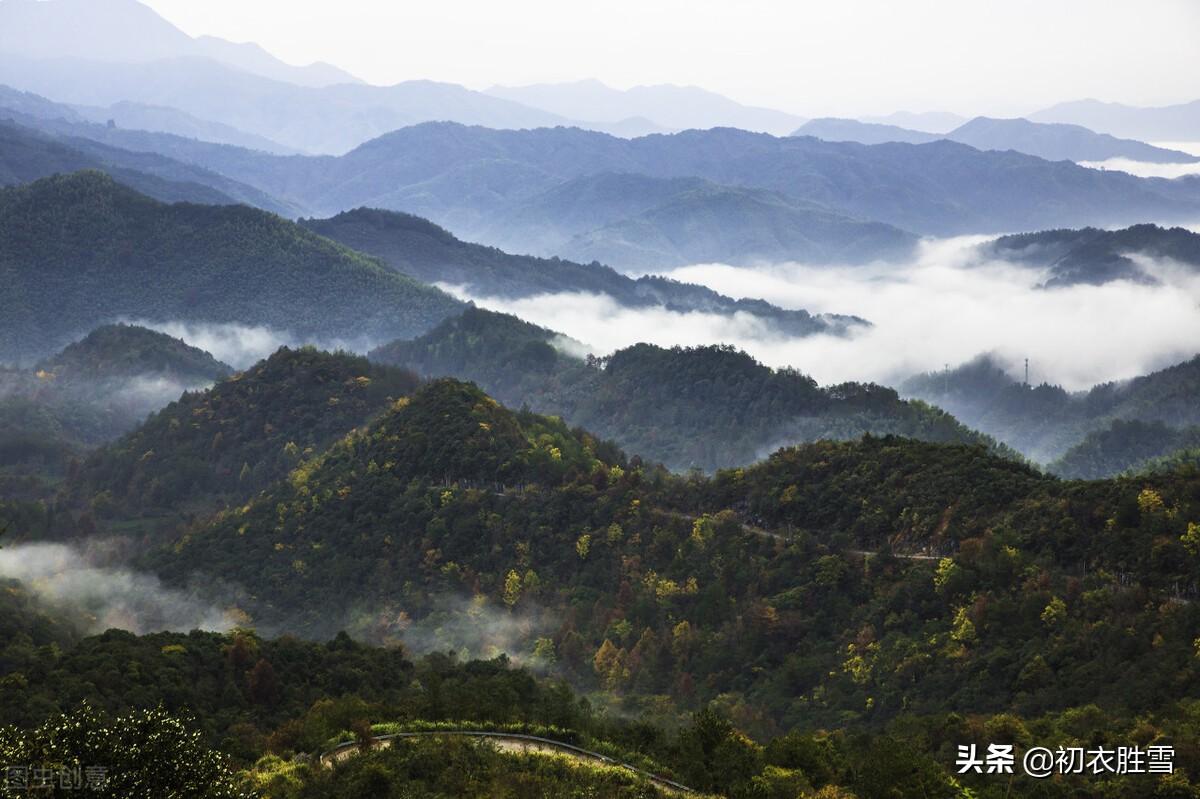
column 1045, row 422
column 891, row 597
column 704, row 407
column 81, row 250
column 1094, row 257
column 650, row 585
column 247, row 431
column 92, row 391
column 26, row 155
column 417, row 247
column 1124, row 446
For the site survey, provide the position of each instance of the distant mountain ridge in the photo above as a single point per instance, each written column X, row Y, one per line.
column 129, row 31
column 1180, row 122
column 1051, row 141
column 666, row 107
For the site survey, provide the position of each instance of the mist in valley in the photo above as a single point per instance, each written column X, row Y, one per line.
column 945, row 306
column 87, row 583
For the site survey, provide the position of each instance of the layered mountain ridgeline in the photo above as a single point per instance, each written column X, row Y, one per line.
column 1044, row 422
column 1094, row 257
column 92, row 391
column 81, row 250
column 27, row 154
column 704, row 407
column 637, row 222
column 752, row 587
column 1163, row 123
column 664, row 106
column 419, row 248
column 228, row 442
column 462, row 177
column 1125, row 446
column 1054, row 142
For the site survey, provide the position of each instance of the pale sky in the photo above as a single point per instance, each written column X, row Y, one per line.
column 835, row 57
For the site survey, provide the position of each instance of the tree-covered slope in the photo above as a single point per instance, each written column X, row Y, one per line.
column 1045, row 421
column 241, row 435
column 1123, row 446
column 30, row 152
column 80, row 250
column 753, row 584
column 92, row 391
column 704, row 407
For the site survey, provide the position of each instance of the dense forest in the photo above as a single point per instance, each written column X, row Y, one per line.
column 248, row 431
column 703, row 407
column 866, row 603
column 91, row 392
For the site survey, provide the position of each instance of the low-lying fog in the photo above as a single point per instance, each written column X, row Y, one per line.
column 1144, row 169
column 943, row 307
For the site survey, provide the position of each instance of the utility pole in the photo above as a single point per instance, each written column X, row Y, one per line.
column 1026, row 373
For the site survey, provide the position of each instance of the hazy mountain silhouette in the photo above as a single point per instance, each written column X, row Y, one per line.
column 1179, row 122
column 130, row 32
column 924, row 121
column 666, row 107
column 1059, row 142
column 461, row 176
column 1054, row 142
column 835, row 129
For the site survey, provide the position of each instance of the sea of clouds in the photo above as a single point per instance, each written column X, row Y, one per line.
column 944, row 306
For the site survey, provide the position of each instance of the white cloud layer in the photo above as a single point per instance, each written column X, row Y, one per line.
column 99, row 597
column 944, row 307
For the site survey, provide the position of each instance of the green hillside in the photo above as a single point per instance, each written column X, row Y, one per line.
column 80, row 250
column 703, row 407
column 241, row 435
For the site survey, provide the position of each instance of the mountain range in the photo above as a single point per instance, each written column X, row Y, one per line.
column 1052, row 141
column 461, row 177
